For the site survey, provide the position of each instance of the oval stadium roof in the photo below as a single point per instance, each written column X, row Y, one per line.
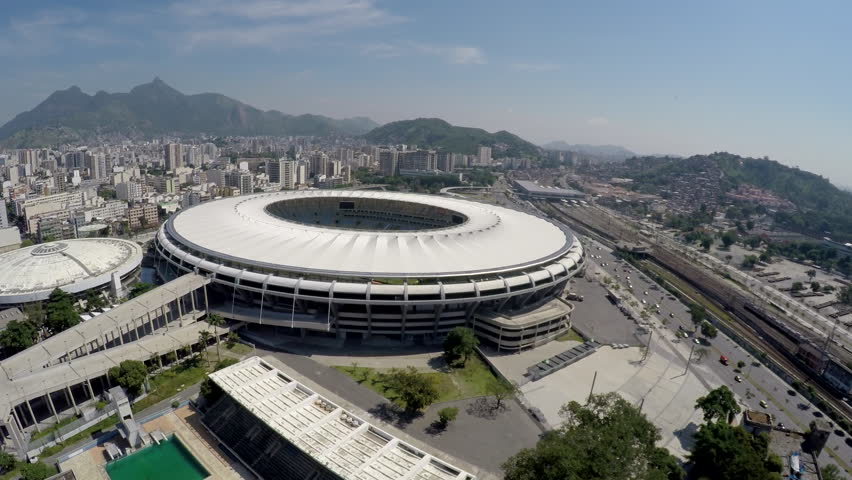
column 31, row 273
column 490, row 239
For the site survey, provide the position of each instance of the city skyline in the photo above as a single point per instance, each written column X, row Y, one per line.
column 660, row 78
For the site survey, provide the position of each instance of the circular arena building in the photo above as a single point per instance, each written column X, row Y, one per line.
column 29, row 274
column 358, row 264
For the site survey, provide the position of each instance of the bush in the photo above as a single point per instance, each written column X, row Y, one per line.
column 130, row 374
column 774, row 464
column 175, row 403
column 227, row 362
column 7, row 461
column 36, row 471
column 447, row 415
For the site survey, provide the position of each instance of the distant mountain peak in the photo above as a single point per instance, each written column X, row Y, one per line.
column 610, row 152
column 156, row 108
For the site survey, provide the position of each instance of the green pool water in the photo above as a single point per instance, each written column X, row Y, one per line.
column 169, row 460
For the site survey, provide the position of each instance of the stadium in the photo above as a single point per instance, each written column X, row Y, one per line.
column 29, row 274
column 360, row 264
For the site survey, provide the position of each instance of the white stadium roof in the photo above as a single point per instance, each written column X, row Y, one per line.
column 31, row 273
column 348, row 445
column 492, row 239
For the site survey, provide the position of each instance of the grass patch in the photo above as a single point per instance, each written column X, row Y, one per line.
column 166, row 384
column 239, row 348
column 105, row 423
column 570, row 336
column 457, row 384
column 53, row 428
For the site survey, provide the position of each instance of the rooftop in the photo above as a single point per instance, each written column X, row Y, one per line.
column 399, row 235
column 31, row 273
column 534, row 188
column 345, row 443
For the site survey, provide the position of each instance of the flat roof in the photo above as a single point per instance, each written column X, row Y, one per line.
column 491, row 239
column 345, row 443
column 534, row 188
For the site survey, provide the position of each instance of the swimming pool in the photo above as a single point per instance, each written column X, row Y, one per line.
column 170, row 460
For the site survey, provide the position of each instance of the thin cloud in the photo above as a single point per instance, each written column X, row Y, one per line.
column 535, row 67
column 458, row 55
column 597, row 122
column 272, row 23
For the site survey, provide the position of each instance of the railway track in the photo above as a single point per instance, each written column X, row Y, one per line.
column 775, row 343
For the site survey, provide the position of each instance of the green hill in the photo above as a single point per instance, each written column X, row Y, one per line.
column 820, row 206
column 156, row 108
column 436, row 133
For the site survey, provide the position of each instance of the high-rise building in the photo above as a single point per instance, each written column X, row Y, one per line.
column 484, row 155
column 319, row 164
column 240, row 179
column 282, row 172
column 388, row 162
column 174, row 156
column 417, row 160
column 129, row 191
column 445, row 161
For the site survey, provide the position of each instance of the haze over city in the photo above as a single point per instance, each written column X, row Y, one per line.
column 755, row 78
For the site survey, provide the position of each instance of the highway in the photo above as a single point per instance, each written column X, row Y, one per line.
column 759, row 383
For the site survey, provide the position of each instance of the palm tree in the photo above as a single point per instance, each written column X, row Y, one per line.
column 216, row 321
column 204, row 338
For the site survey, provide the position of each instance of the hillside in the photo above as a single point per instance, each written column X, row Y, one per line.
column 436, row 133
column 605, row 152
column 156, row 108
column 820, row 206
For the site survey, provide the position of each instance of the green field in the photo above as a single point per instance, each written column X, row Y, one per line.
column 456, row 384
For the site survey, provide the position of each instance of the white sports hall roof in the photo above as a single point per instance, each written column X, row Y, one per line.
column 492, row 239
column 31, row 273
column 343, row 442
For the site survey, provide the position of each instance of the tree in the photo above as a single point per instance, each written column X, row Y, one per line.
column 231, row 339
column 60, row 313
column 94, row 300
column 831, row 472
column 728, row 239
column 18, row 336
column 216, row 321
column 811, row 273
column 36, row 471
column 708, row 329
column 718, row 404
column 130, row 374
column 705, row 244
column 741, row 364
column 608, row 438
column 204, row 341
column 728, row 259
column 501, row 389
column 697, row 312
column 749, row 261
column 460, row 343
column 750, row 224
column 139, row 289
column 7, row 461
column 815, row 286
column 844, row 295
column 414, row 389
column 447, row 415
column 723, row 452
column 797, row 286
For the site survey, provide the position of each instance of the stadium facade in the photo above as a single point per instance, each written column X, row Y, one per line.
column 357, row 264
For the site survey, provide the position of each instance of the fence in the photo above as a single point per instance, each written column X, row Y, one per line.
column 66, row 431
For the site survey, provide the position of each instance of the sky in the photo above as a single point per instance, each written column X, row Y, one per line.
column 757, row 78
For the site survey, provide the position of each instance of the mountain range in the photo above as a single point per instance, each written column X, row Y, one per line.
column 156, row 108
column 437, row 133
column 606, row 152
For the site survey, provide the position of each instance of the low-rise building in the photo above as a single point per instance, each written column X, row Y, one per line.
column 142, row 215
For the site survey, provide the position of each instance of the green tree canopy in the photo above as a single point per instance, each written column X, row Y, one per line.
column 460, row 344
column 708, row 330
column 130, row 374
column 139, row 289
column 844, row 295
column 18, row 336
column 718, row 404
column 729, row 238
column 36, row 471
column 60, row 312
column 607, row 439
column 414, row 389
column 723, row 452
column 697, row 312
